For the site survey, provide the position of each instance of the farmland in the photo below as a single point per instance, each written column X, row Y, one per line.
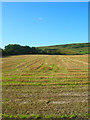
column 45, row 85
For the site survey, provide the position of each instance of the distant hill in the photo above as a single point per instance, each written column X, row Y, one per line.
column 66, row 49
column 69, row 49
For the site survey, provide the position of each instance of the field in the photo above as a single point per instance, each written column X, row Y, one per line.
column 45, row 85
column 69, row 49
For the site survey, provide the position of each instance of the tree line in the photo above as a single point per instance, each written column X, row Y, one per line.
column 15, row 49
column 70, row 49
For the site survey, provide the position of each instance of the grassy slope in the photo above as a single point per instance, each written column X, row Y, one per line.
column 77, row 48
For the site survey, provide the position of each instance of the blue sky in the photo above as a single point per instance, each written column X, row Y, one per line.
column 43, row 24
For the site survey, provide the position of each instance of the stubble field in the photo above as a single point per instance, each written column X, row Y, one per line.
column 45, row 85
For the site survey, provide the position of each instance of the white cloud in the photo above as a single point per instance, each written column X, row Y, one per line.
column 40, row 18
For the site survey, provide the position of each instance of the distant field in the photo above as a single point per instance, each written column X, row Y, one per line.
column 68, row 49
column 45, row 85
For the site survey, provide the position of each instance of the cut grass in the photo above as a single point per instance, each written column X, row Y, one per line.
column 38, row 116
column 32, row 82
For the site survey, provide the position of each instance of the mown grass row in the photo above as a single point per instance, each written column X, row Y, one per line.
column 44, row 84
column 39, row 116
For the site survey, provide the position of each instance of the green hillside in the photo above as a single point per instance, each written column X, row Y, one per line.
column 77, row 48
column 66, row 49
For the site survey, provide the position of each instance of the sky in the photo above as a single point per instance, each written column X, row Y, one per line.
column 44, row 23
column 45, row 0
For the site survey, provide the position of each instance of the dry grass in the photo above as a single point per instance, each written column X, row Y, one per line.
column 38, row 84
